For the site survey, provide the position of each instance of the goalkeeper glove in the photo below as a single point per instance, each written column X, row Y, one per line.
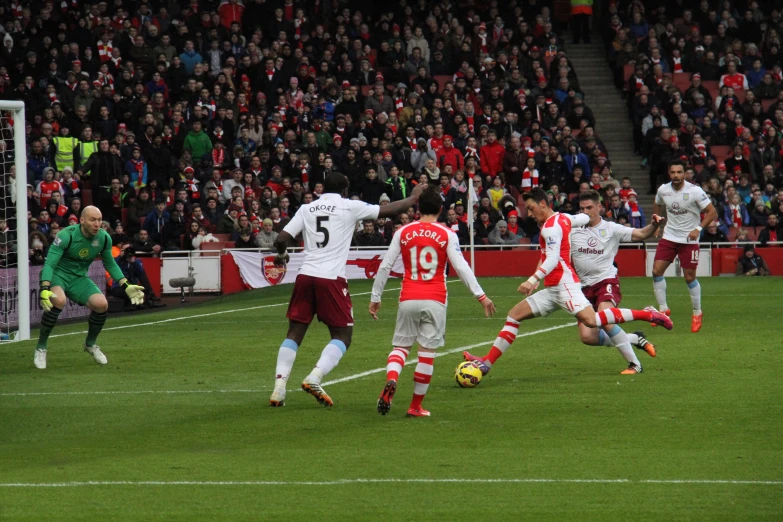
column 134, row 292
column 46, row 298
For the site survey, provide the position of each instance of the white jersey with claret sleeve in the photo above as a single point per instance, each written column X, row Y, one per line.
column 327, row 226
column 593, row 250
column 683, row 210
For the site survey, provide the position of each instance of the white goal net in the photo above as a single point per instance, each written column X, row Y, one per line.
column 14, row 225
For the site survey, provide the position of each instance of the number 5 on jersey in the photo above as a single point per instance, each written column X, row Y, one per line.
column 323, row 230
column 425, row 262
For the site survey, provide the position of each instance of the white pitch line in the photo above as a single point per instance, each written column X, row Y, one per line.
column 336, row 381
column 196, row 316
column 347, row 482
column 447, row 352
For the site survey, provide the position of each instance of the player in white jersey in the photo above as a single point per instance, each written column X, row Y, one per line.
column 327, row 225
column 684, row 204
column 593, row 249
column 427, row 248
column 561, row 283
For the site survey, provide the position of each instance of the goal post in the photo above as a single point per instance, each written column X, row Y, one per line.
column 17, row 283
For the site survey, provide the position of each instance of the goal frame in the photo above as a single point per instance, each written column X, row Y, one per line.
column 22, row 260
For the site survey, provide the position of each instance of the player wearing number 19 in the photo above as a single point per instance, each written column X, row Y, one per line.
column 425, row 246
column 327, row 226
column 64, row 275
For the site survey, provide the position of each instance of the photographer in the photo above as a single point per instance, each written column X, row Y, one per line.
column 133, row 270
column 752, row 264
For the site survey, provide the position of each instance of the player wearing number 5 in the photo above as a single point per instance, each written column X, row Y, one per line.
column 327, row 226
column 65, row 275
column 684, row 204
column 425, row 246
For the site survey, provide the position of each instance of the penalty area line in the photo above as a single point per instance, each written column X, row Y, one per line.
column 347, row 482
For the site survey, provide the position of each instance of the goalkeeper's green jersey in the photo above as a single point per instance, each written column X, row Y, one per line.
column 71, row 254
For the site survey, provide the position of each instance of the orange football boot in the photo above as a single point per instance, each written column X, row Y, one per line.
column 696, row 323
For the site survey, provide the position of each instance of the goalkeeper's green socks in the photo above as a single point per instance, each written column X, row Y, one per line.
column 48, row 321
column 96, row 323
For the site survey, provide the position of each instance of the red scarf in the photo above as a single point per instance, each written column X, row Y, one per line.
column 139, row 166
column 639, row 83
column 192, row 186
column 471, row 123
column 633, row 208
column 514, row 229
column 529, row 180
column 305, row 173
column 677, row 65
column 117, row 62
column 736, row 215
column 104, row 50
column 218, row 156
column 701, row 150
column 483, row 46
column 399, row 104
column 104, row 79
column 249, row 192
column 412, row 143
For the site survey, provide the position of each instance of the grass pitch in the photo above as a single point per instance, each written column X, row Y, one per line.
column 177, row 426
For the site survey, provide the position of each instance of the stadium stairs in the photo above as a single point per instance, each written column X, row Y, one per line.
column 613, row 125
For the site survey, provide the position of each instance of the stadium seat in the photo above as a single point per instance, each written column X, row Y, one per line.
column 86, row 197
column 753, row 232
column 124, row 219
column 172, row 195
column 211, row 249
column 766, row 104
column 740, row 93
column 721, row 152
column 628, row 71
column 141, row 221
column 682, row 81
column 733, row 233
column 366, row 89
column 442, row 80
column 524, row 240
column 222, row 237
column 228, row 244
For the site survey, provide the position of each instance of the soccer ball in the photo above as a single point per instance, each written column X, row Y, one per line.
column 468, row 374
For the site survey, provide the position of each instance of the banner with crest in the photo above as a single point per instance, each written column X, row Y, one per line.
column 258, row 269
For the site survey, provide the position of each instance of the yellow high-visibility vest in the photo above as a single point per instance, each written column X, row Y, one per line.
column 64, row 155
column 87, row 149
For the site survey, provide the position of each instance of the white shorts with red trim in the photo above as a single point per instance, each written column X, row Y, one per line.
column 566, row 296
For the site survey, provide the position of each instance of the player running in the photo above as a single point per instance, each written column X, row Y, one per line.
column 425, row 246
column 65, row 275
column 327, row 226
column 561, row 283
column 684, row 203
column 593, row 249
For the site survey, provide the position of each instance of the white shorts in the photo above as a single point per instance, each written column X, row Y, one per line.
column 567, row 296
column 421, row 321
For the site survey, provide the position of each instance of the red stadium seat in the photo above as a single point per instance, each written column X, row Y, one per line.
column 222, row 237
column 524, row 240
column 442, row 80
column 86, row 197
column 766, row 104
column 682, row 81
column 740, row 93
column 141, row 221
column 211, row 249
column 228, row 244
column 628, row 70
column 721, row 152
column 124, row 213
column 366, row 89
column 753, row 233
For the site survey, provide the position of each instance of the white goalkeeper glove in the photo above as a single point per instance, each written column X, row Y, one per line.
column 134, row 292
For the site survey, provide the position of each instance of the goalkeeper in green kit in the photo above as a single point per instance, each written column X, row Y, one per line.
column 65, row 275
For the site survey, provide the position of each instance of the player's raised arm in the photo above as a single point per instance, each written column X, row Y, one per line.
column 392, row 209
column 383, row 274
column 466, row 275
column 578, row 220
column 640, row 234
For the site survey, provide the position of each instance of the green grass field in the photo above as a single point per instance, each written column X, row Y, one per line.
column 177, row 426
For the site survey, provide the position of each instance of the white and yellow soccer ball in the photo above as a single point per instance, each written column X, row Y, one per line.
column 468, row 374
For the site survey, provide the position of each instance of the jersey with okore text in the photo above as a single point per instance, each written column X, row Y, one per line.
column 683, row 210
column 327, row 226
column 426, row 250
column 593, row 250
column 72, row 253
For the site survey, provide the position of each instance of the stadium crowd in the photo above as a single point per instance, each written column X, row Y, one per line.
column 199, row 122
column 703, row 83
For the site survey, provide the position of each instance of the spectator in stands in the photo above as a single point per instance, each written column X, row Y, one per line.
column 742, row 237
column 771, row 232
column 501, row 235
column 760, row 214
column 267, row 237
column 143, row 244
column 246, row 239
column 140, row 208
column 735, row 214
column 752, row 264
column 368, row 236
column 712, row 234
column 458, row 226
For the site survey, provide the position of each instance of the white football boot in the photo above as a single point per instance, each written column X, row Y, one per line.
column 40, row 359
column 96, row 353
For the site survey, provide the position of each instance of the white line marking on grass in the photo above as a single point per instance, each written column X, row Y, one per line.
column 345, row 482
column 130, row 392
column 196, row 316
column 336, row 381
column 447, row 352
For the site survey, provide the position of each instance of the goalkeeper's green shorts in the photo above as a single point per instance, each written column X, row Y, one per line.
column 78, row 289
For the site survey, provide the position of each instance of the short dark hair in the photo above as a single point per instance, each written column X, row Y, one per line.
column 675, row 163
column 335, row 183
column 537, row 195
column 430, row 202
column 590, row 195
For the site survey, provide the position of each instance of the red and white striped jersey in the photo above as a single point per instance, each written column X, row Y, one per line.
column 426, row 248
column 555, row 242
